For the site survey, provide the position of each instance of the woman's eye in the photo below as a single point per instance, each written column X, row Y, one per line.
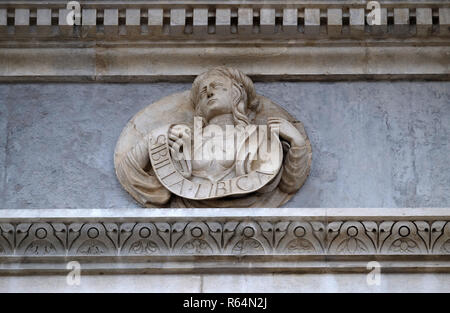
column 216, row 85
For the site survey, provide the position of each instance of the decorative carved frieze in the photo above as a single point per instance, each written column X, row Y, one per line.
column 219, row 236
column 224, row 240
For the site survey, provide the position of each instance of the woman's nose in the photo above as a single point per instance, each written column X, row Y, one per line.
column 209, row 92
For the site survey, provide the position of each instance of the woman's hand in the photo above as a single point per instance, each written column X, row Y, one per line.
column 180, row 148
column 286, row 131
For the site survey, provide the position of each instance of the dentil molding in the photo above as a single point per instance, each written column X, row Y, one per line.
column 176, row 40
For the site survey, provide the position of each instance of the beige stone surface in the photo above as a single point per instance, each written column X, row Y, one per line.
column 3, row 19
column 103, row 283
column 111, row 23
column 401, row 21
column 230, row 283
column 357, row 21
column 424, row 21
column 200, row 21
column 223, row 21
column 334, row 26
column 312, row 22
column 245, row 21
column 177, row 21
column 147, row 64
column 326, row 283
column 267, row 20
column 290, row 19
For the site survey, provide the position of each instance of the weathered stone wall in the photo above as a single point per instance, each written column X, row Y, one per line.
column 231, row 283
column 375, row 144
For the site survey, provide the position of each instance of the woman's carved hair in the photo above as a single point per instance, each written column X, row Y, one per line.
column 245, row 101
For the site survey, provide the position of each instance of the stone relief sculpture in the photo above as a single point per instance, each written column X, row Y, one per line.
column 217, row 145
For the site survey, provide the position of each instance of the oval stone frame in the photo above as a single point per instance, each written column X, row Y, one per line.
column 178, row 108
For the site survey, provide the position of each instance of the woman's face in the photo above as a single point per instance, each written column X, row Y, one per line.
column 215, row 96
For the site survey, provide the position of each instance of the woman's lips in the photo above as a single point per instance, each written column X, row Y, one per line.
column 211, row 101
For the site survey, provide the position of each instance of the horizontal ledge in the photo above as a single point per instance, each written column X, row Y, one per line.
column 190, row 78
column 147, row 64
column 229, row 265
column 7, row 215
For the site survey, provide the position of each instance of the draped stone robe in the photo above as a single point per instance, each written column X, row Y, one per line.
column 137, row 175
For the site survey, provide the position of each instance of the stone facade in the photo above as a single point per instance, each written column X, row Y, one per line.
column 133, row 40
column 379, row 147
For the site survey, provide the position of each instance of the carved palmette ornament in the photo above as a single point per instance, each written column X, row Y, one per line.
column 41, row 239
column 350, row 238
column 141, row 239
column 197, row 239
column 247, row 238
column 93, row 239
column 298, row 238
column 403, row 237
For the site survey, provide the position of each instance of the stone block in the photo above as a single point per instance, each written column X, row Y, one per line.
column 200, row 21
column 177, row 21
column 3, row 17
column 65, row 29
column 155, row 21
column 334, row 22
column 44, row 22
column 444, row 21
column 290, row 21
column 380, row 28
column 267, row 21
column 312, row 22
column 111, row 22
column 245, row 21
column 223, row 21
column 133, row 22
column 357, row 22
column 89, row 22
column 401, row 21
column 22, row 22
column 424, row 21
column 3, row 22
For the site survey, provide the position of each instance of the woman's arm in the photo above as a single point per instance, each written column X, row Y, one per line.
column 136, row 175
column 298, row 158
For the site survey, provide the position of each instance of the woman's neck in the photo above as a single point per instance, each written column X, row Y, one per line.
column 222, row 120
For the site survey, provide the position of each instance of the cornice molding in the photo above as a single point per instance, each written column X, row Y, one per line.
column 224, row 240
column 174, row 63
column 175, row 40
column 219, row 20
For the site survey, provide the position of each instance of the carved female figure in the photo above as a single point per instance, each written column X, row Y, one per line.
column 230, row 164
